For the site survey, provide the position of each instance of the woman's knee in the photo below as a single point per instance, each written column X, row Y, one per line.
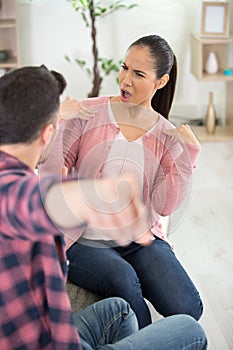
column 193, row 307
column 189, row 307
column 122, row 281
column 197, row 310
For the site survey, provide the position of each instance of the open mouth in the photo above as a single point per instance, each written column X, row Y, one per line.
column 125, row 95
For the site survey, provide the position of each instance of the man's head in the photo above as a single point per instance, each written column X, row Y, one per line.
column 29, row 100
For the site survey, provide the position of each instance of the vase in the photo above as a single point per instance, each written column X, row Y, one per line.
column 211, row 65
column 210, row 119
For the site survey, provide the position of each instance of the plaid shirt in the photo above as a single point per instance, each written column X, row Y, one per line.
column 35, row 310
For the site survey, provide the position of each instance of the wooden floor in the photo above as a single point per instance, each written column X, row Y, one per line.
column 202, row 232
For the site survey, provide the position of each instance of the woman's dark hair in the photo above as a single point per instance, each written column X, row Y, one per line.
column 164, row 63
column 29, row 100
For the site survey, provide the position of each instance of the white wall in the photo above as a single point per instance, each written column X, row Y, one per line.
column 50, row 29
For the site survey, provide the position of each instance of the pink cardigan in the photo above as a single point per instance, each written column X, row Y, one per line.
column 168, row 165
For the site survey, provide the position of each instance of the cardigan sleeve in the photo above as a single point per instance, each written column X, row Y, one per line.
column 173, row 178
column 71, row 139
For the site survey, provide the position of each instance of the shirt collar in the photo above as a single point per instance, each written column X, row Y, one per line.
column 9, row 162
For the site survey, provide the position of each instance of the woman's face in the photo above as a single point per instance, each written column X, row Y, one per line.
column 137, row 78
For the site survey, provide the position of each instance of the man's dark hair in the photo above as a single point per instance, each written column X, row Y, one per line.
column 29, row 100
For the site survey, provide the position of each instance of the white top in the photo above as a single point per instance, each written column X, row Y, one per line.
column 125, row 157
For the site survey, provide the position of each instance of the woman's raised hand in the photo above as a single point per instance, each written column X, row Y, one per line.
column 183, row 134
column 70, row 109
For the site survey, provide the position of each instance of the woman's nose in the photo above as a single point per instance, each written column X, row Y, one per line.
column 128, row 79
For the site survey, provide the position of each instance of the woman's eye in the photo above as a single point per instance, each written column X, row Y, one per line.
column 123, row 66
column 139, row 74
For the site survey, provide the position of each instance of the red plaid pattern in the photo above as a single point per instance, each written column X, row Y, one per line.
column 35, row 310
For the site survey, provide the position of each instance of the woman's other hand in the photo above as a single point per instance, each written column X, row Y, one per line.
column 183, row 134
column 70, row 109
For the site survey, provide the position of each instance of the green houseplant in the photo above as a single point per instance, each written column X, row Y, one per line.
column 90, row 11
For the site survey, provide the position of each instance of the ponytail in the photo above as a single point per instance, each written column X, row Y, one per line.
column 162, row 99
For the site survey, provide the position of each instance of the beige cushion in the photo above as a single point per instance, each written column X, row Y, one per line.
column 80, row 297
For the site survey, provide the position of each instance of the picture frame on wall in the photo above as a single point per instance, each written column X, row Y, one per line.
column 215, row 19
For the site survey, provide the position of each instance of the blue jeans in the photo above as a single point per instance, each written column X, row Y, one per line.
column 111, row 324
column 134, row 273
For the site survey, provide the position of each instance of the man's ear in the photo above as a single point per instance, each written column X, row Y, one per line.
column 163, row 81
column 47, row 133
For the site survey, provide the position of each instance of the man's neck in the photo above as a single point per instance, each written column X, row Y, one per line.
column 26, row 153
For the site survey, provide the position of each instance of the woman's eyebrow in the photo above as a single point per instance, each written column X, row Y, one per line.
column 135, row 70
column 139, row 71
